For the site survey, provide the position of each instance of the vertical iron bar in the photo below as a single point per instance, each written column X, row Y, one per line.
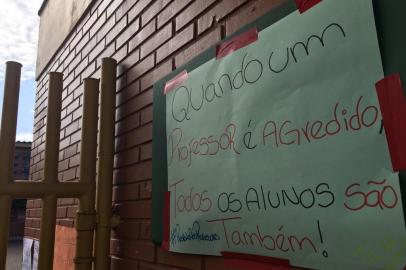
column 85, row 222
column 105, row 166
column 48, row 219
column 7, row 143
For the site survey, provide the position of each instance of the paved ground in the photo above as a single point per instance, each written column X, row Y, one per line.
column 14, row 255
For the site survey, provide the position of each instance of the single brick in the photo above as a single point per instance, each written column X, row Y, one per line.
column 127, row 229
column 145, row 230
column 113, row 7
column 69, row 174
column 102, row 31
column 71, row 211
column 216, row 14
column 74, row 161
column 74, row 62
column 76, row 50
column 142, row 35
column 128, row 33
column 118, row 27
column 89, row 47
column 123, row 264
column 175, row 43
column 145, row 189
column 133, row 173
column 146, row 151
column 88, row 24
column 127, row 124
column 215, row 263
column 130, row 60
column 135, row 209
column 74, row 41
column 63, row 165
column 73, row 127
column 146, row 115
column 70, row 151
column 135, row 104
column 201, row 45
column 191, row 12
column 102, row 7
column 156, row 40
column 153, row 10
column 158, row 73
column 141, row 68
column 122, row 10
column 125, row 158
column 134, row 249
column 125, row 193
column 100, row 47
column 61, row 212
column 250, row 12
column 137, row 9
column 98, row 24
column 127, row 93
column 171, row 11
column 181, row 260
column 120, row 54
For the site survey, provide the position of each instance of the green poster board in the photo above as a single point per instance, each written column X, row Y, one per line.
column 392, row 55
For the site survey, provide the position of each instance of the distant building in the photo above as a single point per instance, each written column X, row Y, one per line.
column 22, row 160
column 21, row 172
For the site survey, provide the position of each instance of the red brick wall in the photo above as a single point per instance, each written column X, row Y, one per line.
column 148, row 39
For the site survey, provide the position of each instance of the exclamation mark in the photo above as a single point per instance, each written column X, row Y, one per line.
column 325, row 253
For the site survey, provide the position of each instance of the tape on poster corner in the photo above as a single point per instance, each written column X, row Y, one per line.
column 304, row 5
column 392, row 102
column 175, row 82
column 254, row 262
column 236, row 43
column 166, row 221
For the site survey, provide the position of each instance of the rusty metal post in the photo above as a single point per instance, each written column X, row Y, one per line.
column 48, row 219
column 106, row 162
column 7, row 142
column 50, row 189
column 86, row 215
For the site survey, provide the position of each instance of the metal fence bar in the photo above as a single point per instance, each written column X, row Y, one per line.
column 48, row 219
column 86, row 216
column 24, row 189
column 106, row 160
column 7, row 142
column 50, row 189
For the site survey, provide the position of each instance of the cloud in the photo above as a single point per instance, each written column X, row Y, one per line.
column 24, row 137
column 19, row 23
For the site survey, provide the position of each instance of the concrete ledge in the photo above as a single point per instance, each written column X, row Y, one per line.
column 57, row 19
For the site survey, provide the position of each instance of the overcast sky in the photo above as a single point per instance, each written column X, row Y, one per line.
column 19, row 24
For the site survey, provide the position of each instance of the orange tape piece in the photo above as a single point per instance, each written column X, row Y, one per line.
column 392, row 102
column 175, row 82
column 236, row 43
column 304, row 5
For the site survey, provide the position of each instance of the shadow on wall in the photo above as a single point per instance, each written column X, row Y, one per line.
column 128, row 120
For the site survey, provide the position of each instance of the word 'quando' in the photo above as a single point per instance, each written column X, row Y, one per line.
column 186, row 99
